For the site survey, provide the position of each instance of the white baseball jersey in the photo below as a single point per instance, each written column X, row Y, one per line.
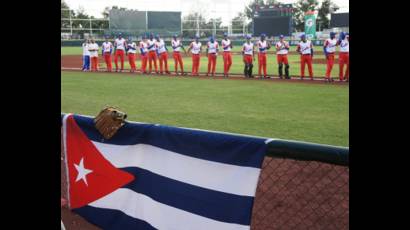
column 330, row 45
column 344, row 46
column 132, row 45
column 93, row 46
column 176, row 45
column 160, row 46
column 263, row 46
column 85, row 49
column 119, row 44
column 282, row 47
column 305, row 47
column 106, row 47
column 151, row 43
column 248, row 48
column 226, row 45
column 143, row 46
column 212, row 47
column 195, row 47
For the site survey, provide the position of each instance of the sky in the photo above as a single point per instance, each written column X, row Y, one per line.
column 226, row 9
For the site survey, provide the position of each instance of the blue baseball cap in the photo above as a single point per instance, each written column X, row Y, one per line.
column 120, row 34
column 225, row 34
column 196, row 36
column 248, row 36
column 302, row 36
column 175, row 35
column 263, row 35
column 281, row 36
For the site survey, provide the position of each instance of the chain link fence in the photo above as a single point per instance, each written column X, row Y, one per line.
column 293, row 194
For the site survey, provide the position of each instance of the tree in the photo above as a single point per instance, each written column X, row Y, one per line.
column 299, row 10
column 250, row 9
column 325, row 9
column 65, row 14
column 238, row 23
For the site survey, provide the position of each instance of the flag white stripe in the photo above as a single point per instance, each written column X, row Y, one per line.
column 159, row 215
column 233, row 179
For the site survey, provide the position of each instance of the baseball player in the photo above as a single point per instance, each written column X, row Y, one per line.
column 263, row 47
column 282, row 50
column 152, row 53
column 93, row 48
column 227, row 57
column 132, row 50
column 212, row 49
column 144, row 54
column 119, row 51
column 248, row 54
column 343, row 56
column 162, row 52
column 305, row 49
column 176, row 47
column 86, row 55
column 106, row 53
column 196, row 48
column 329, row 48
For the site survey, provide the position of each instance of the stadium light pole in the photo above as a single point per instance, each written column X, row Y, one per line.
column 71, row 23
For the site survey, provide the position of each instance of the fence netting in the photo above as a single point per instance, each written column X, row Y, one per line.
column 294, row 194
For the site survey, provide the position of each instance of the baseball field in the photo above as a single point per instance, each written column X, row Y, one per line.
column 306, row 111
column 290, row 193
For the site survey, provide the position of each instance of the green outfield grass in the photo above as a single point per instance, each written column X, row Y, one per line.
column 306, row 112
column 237, row 66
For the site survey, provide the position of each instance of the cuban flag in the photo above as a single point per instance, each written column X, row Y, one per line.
column 160, row 177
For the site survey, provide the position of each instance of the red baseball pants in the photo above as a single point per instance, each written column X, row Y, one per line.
column 163, row 60
column 107, row 58
column 144, row 60
column 248, row 59
column 211, row 63
column 152, row 57
column 343, row 60
column 306, row 59
column 227, row 61
column 94, row 63
column 131, row 60
column 330, row 60
column 262, row 63
column 121, row 54
column 282, row 58
column 195, row 63
column 178, row 59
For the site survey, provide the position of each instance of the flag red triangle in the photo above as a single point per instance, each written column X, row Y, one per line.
column 91, row 176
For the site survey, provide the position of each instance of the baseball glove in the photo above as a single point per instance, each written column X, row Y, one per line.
column 109, row 120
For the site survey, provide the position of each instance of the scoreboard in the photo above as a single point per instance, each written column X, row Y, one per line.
column 273, row 20
column 273, row 10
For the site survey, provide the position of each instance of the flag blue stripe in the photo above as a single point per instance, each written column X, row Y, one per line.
column 208, row 203
column 109, row 219
column 218, row 147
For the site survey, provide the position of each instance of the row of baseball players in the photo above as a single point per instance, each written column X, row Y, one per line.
column 153, row 48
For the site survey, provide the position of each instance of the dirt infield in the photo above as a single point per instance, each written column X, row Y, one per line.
column 290, row 195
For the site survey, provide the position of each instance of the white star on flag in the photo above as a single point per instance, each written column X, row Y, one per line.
column 82, row 172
